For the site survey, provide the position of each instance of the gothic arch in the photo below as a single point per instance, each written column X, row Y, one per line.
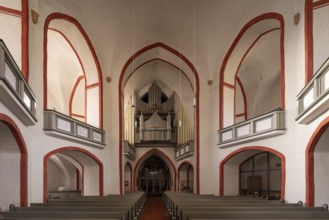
column 123, row 79
column 76, row 149
column 226, row 78
column 253, row 148
column 163, row 156
column 90, row 71
column 309, row 161
column 23, row 157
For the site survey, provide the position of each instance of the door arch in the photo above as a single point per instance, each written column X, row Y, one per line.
column 230, row 167
column 316, row 163
column 18, row 165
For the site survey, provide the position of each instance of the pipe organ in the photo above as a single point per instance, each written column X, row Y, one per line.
column 155, row 119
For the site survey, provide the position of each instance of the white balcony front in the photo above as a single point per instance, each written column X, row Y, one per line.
column 16, row 94
column 62, row 126
column 313, row 99
column 264, row 126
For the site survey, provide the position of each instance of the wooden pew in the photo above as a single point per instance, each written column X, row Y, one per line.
column 125, row 207
column 66, row 215
column 255, row 215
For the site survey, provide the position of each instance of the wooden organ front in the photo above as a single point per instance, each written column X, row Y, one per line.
column 155, row 118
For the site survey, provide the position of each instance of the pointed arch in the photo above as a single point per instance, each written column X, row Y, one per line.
column 259, row 148
column 89, row 85
column 227, row 57
column 196, row 89
column 64, row 149
column 309, row 160
column 23, row 160
column 163, row 156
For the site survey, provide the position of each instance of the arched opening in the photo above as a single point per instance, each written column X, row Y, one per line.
column 72, row 75
column 155, row 173
column 172, row 117
column 186, row 177
column 72, row 169
column 252, row 73
column 128, row 178
column 317, row 154
column 64, row 174
column 255, row 171
column 13, row 164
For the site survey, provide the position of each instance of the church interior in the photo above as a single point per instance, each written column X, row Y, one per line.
column 205, row 97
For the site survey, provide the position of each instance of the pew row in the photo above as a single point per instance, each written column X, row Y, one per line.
column 123, row 207
column 183, row 206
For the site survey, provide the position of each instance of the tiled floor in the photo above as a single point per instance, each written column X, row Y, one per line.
column 154, row 209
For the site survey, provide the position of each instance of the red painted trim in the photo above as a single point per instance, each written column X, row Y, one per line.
column 72, row 47
column 157, row 59
column 320, row 4
column 252, row 22
column 54, row 16
column 23, row 15
column 76, row 84
column 91, row 86
column 120, row 96
column 23, row 160
column 227, row 85
column 229, row 156
column 163, row 156
column 244, row 98
column 25, row 39
column 309, row 59
column 77, row 115
column 238, row 115
column 131, row 176
column 309, row 160
column 62, row 150
column 11, row 11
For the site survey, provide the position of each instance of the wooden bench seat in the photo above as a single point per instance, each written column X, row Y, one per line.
column 255, row 215
column 65, row 215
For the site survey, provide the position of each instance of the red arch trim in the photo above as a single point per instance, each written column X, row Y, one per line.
column 165, row 61
column 24, row 15
column 245, row 110
column 54, row 16
column 24, row 157
column 123, row 72
column 63, row 149
column 277, row 153
column 152, row 152
column 309, row 160
column 72, row 96
column 252, row 22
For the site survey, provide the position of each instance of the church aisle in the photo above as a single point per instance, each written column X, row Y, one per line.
column 154, row 209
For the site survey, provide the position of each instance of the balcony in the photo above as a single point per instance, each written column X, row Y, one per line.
column 129, row 150
column 16, row 94
column 264, row 126
column 60, row 125
column 185, row 150
column 313, row 100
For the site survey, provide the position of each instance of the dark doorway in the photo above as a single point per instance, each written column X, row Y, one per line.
column 154, row 176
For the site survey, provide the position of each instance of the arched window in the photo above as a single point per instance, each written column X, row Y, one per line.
column 260, row 176
column 73, row 84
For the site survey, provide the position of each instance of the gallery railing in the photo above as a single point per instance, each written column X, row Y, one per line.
column 184, row 150
column 16, row 94
column 313, row 99
column 63, row 126
column 129, row 150
column 264, row 126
